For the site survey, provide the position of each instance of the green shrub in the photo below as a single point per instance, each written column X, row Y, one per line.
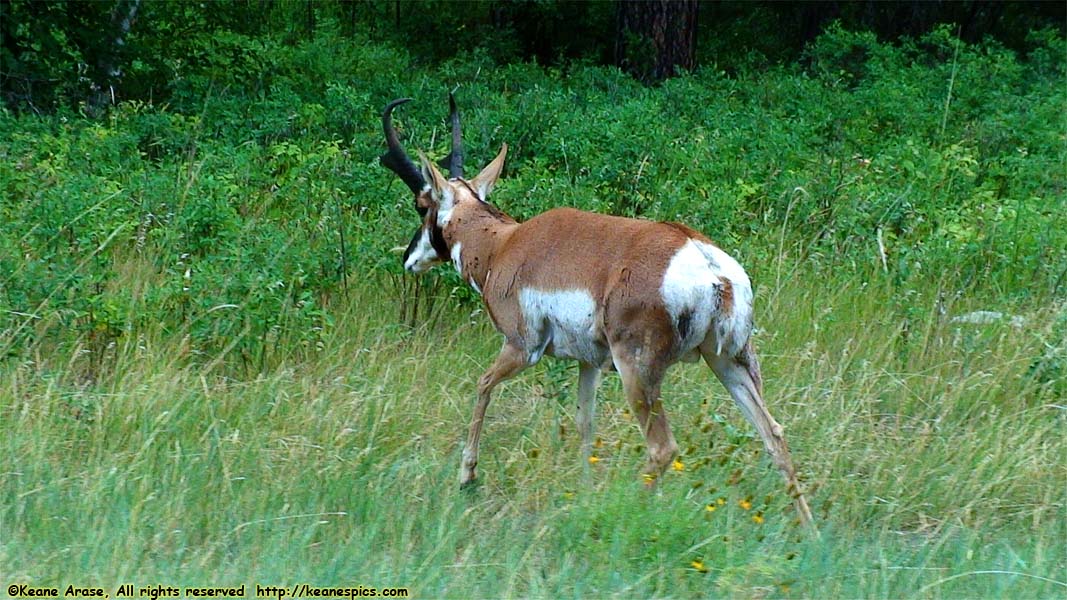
column 931, row 161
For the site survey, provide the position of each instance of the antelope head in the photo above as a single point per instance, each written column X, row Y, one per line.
column 436, row 197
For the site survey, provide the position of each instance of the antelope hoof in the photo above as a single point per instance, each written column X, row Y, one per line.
column 806, row 519
column 650, row 478
column 468, row 478
column 471, row 485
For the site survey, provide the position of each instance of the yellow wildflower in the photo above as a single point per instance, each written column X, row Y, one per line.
column 593, row 460
column 678, row 465
column 757, row 519
column 710, row 507
column 699, row 566
column 721, row 501
column 745, row 504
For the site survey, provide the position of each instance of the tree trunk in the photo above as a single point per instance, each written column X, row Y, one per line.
column 655, row 39
column 108, row 64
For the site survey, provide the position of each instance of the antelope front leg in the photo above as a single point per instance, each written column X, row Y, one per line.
column 510, row 361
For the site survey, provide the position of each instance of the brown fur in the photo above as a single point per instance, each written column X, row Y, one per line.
column 622, row 271
column 726, row 297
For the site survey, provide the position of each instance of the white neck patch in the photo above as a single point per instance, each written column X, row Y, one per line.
column 457, row 257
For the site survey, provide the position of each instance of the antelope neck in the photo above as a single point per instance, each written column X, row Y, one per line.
column 479, row 231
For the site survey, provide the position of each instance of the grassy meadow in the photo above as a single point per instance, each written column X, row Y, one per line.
column 937, row 475
column 213, row 372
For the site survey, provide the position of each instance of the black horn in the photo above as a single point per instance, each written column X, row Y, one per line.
column 454, row 160
column 395, row 159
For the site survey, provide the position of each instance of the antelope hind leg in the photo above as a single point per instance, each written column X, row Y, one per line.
column 741, row 376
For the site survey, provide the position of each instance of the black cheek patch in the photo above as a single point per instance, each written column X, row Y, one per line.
column 412, row 245
column 437, row 240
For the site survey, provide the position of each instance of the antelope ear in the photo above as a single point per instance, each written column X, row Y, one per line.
column 438, row 186
column 483, row 183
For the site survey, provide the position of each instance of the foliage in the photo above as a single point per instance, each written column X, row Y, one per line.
column 66, row 53
column 935, row 160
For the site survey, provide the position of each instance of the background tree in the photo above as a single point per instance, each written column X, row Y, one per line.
column 109, row 62
column 655, row 39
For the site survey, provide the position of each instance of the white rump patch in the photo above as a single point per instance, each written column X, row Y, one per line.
column 564, row 319
column 738, row 324
column 691, row 291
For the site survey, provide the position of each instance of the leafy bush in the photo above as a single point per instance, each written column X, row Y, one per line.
column 931, row 161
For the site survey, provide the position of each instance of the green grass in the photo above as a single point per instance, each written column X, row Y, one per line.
column 935, row 464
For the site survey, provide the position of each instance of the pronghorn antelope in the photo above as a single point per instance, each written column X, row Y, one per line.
column 612, row 293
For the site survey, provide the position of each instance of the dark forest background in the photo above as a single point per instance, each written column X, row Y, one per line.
column 56, row 52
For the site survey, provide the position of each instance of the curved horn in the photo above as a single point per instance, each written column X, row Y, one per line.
column 395, row 159
column 455, row 158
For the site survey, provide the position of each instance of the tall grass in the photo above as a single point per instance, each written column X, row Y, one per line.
column 934, row 462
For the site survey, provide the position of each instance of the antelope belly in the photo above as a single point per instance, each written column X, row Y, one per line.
column 562, row 323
